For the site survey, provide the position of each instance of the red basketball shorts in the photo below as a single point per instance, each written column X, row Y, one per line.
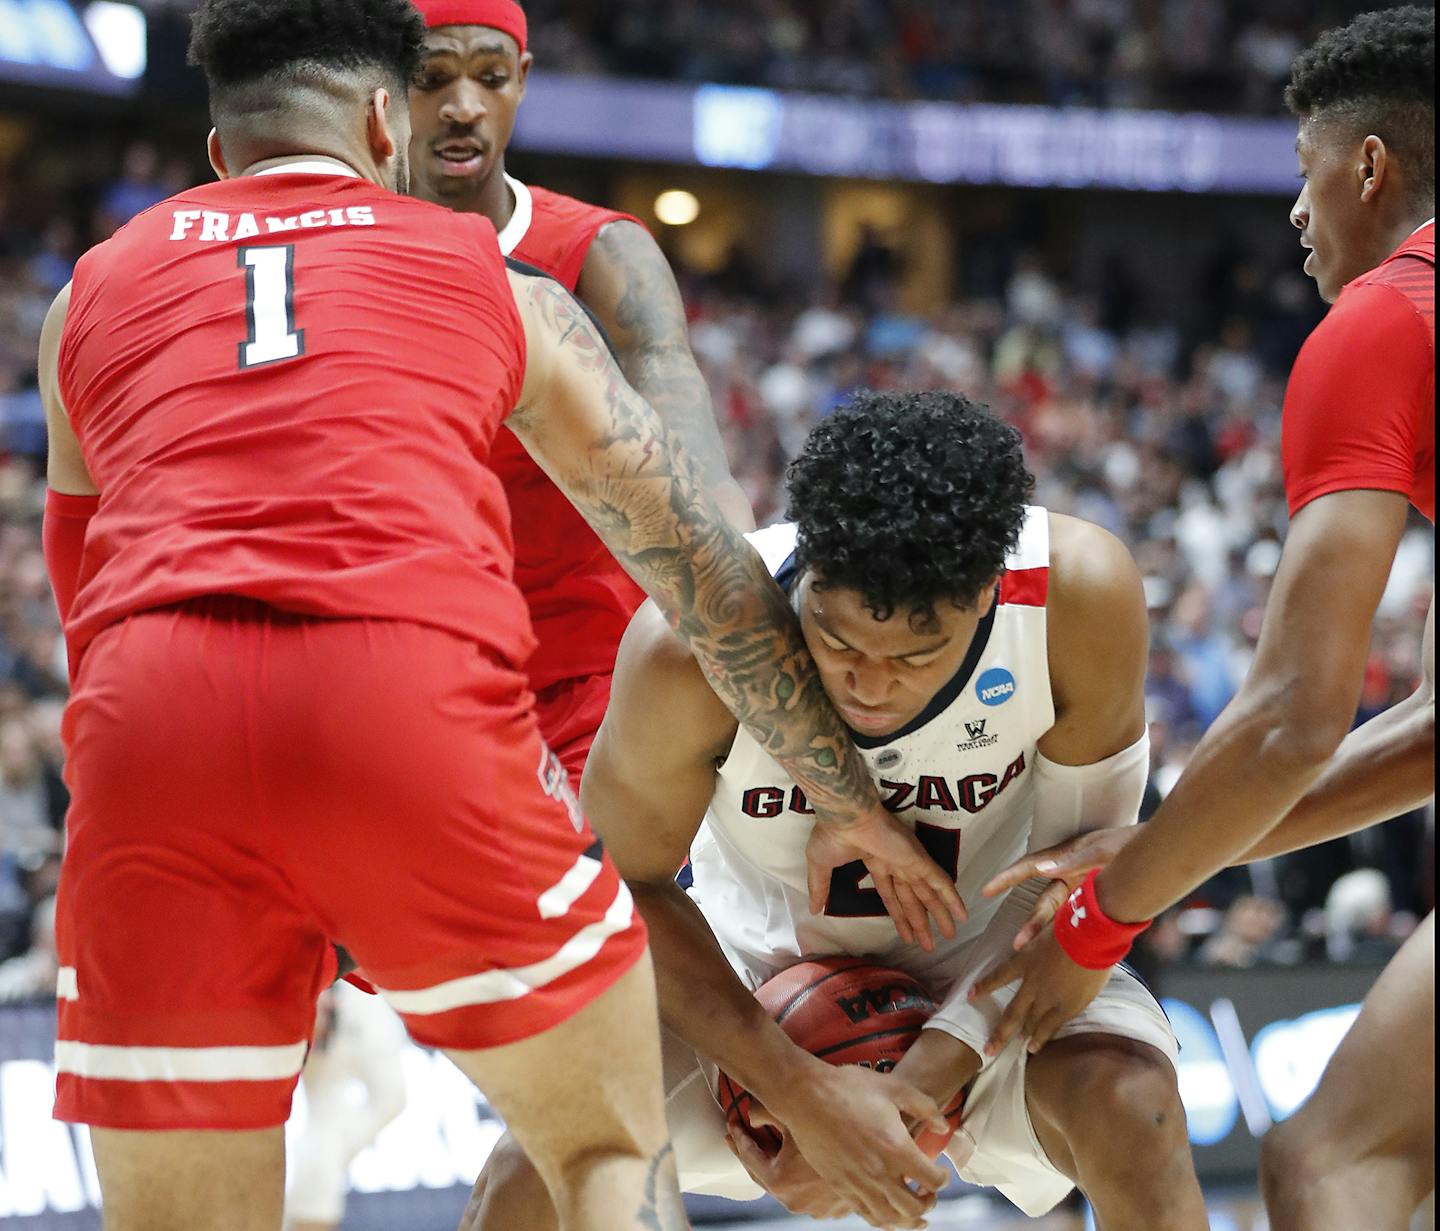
column 249, row 786
column 570, row 713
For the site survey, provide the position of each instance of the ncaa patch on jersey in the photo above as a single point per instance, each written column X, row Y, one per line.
column 995, row 687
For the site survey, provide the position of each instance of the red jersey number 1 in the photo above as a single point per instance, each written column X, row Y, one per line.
column 270, row 305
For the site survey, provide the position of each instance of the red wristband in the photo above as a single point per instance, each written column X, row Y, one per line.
column 1090, row 937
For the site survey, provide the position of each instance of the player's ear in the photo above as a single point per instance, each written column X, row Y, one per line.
column 217, row 155
column 381, row 129
column 987, row 596
column 523, row 76
column 1375, row 159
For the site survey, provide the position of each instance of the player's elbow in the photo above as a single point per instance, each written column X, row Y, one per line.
column 1304, row 741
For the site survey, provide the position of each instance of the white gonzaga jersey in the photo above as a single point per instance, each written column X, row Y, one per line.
column 960, row 774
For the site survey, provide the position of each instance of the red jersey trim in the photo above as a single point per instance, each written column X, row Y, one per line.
column 1025, row 587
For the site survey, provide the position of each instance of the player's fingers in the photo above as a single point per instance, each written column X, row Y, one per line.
column 916, row 914
column 886, row 1202
column 1045, row 907
column 913, row 1103
column 885, row 887
column 944, row 888
column 751, row 1156
column 940, row 907
column 1007, row 972
column 819, row 882
column 1016, row 874
column 1013, row 1021
column 1045, row 1031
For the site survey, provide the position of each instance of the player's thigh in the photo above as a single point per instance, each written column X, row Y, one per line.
column 1378, row 1092
column 191, row 1181
column 588, row 1087
column 438, row 837
column 189, row 967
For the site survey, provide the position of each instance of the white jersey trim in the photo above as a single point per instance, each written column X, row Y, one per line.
column 513, row 233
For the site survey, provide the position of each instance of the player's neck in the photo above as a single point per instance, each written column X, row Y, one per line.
column 308, row 161
column 1399, row 231
column 495, row 200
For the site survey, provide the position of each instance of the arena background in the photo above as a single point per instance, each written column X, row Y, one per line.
column 1075, row 210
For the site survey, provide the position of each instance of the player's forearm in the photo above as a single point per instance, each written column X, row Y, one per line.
column 638, row 483
column 1383, row 769
column 667, row 377
column 705, row 1003
column 1251, row 768
column 939, row 1065
column 716, row 593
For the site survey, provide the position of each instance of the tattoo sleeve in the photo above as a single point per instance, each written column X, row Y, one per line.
column 635, row 480
column 627, row 283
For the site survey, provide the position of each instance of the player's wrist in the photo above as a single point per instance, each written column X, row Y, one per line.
column 778, row 1072
column 1089, row 937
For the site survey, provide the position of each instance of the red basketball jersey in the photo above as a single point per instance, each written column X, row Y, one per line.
column 580, row 599
column 283, row 391
column 1360, row 406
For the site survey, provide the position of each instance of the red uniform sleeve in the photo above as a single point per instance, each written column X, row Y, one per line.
column 1357, row 398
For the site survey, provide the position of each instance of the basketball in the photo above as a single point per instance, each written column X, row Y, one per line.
column 844, row 1010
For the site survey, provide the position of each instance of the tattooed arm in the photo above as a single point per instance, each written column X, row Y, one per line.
column 636, row 481
column 627, row 283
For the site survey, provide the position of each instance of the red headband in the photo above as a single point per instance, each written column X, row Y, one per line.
column 503, row 15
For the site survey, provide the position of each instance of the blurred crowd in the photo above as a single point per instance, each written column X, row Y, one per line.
column 1211, row 55
column 1181, row 54
column 1164, row 431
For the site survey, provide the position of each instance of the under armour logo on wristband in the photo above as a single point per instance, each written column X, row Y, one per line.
column 1092, row 939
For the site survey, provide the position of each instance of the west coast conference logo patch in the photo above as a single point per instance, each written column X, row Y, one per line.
column 977, row 737
column 995, row 687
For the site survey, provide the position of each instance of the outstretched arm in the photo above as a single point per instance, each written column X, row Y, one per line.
column 637, row 483
column 1383, row 769
column 628, row 284
column 1273, row 741
column 1260, row 757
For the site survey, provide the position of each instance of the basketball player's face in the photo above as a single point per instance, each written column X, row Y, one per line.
column 880, row 674
column 1332, row 211
column 462, row 108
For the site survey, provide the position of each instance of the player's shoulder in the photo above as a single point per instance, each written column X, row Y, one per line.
column 654, row 650
column 1399, row 292
column 657, row 679
column 561, row 209
column 1371, row 317
column 1093, row 576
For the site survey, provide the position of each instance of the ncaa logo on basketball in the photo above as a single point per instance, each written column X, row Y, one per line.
column 995, row 687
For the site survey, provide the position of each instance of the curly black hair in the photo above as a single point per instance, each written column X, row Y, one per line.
column 909, row 498
column 1376, row 75
column 240, row 42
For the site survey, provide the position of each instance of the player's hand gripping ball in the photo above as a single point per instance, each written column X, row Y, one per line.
column 845, row 1011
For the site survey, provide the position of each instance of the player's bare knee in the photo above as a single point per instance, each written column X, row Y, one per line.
column 1132, row 1091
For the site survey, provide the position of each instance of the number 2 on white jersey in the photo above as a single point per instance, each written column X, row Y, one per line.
column 270, row 305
